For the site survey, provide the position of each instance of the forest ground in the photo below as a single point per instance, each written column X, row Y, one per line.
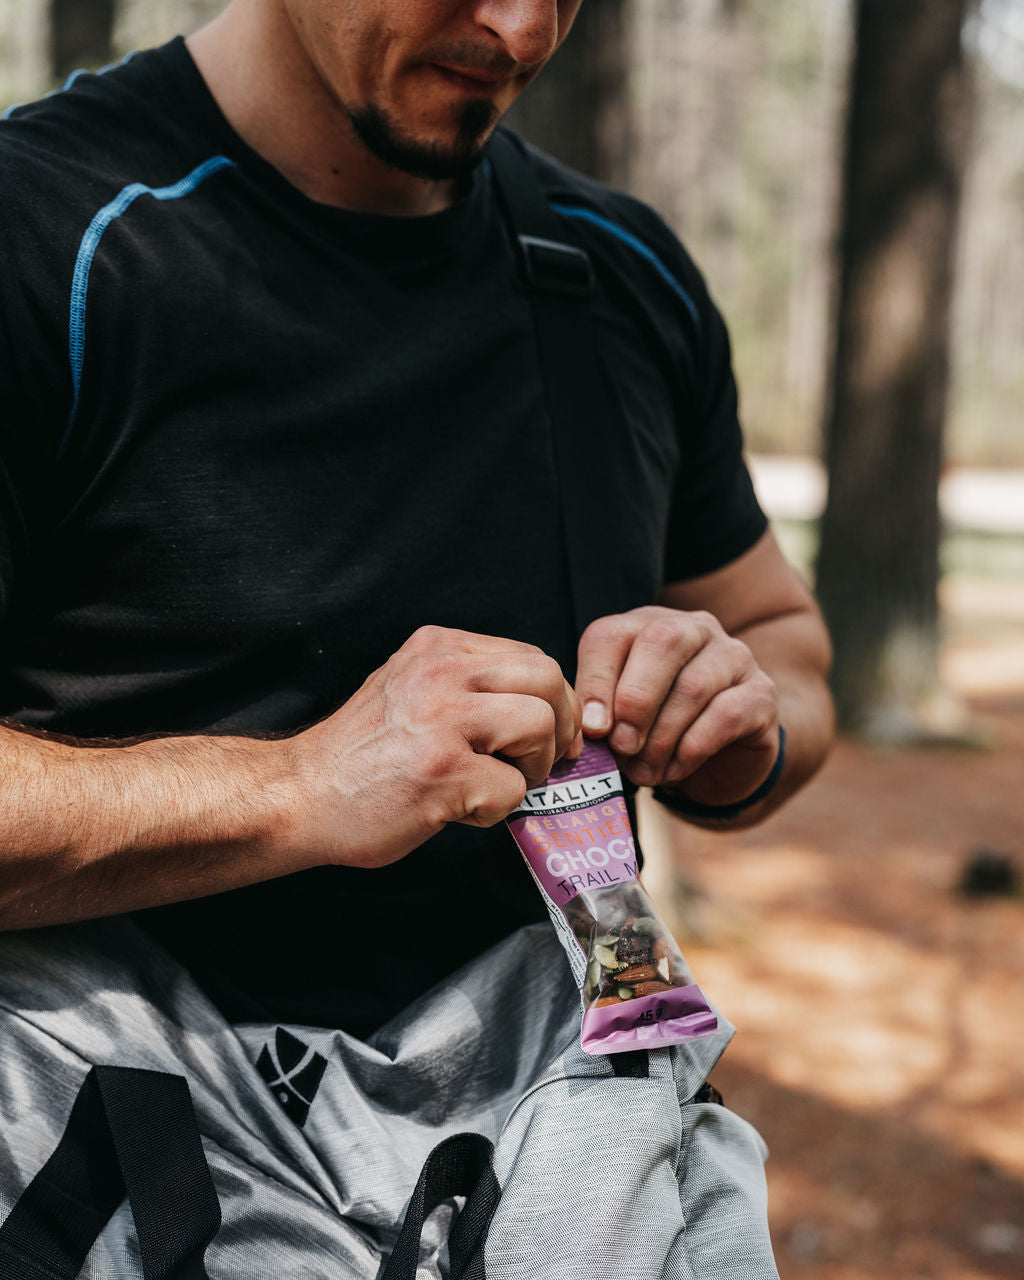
column 880, row 1012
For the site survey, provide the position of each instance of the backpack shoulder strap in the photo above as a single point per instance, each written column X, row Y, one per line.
column 587, row 421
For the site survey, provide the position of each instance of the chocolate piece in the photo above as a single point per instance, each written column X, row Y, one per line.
column 634, row 949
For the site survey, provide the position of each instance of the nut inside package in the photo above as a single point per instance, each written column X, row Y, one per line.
column 575, row 834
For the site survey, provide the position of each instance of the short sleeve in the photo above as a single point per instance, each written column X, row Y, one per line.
column 714, row 515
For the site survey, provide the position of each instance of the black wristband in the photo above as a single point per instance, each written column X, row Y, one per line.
column 724, row 812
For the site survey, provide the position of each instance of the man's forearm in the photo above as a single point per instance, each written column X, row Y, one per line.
column 90, row 831
column 452, row 728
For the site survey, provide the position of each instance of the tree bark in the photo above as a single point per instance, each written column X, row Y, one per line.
column 81, row 34
column 878, row 568
column 578, row 108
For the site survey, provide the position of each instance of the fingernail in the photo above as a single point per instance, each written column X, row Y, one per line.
column 642, row 774
column 626, row 739
column 595, row 717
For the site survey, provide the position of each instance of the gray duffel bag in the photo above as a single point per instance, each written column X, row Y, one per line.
column 470, row 1137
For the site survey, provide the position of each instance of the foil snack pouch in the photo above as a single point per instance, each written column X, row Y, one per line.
column 574, row 832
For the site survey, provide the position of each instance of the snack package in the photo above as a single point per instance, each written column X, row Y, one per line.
column 575, row 835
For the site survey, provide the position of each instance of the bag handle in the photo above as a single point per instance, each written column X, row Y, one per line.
column 133, row 1131
column 460, row 1165
column 129, row 1131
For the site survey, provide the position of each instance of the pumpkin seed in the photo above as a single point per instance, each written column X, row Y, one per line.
column 645, row 924
column 607, row 957
column 625, row 993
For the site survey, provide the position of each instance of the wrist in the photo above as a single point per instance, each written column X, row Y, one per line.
column 687, row 808
column 281, row 803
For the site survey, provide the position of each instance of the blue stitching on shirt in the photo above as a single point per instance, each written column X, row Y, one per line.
column 111, row 66
column 87, row 251
column 588, row 215
column 102, row 71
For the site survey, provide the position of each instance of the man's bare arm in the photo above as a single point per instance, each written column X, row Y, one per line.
column 92, row 830
column 693, row 690
column 451, row 729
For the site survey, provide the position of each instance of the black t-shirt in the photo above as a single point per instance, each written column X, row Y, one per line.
column 250, row 443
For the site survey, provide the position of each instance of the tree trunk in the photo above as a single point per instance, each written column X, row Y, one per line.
column 878, row 569
column 81, row 34
column 578, row 108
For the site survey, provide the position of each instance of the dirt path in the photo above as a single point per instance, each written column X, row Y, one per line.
column 880, row 1048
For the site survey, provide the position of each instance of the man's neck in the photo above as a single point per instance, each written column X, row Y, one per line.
column 288, row 116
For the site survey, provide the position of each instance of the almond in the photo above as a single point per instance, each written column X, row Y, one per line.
column 651, row 988
column 637, row 973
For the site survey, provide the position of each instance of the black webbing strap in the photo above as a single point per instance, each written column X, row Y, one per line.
column 130, row 1131
column 585, row 415
column 633, row 1064
column 459, row 1166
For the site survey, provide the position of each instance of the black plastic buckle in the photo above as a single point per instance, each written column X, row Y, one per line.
column 557, row 268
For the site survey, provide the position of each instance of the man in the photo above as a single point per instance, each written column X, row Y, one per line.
column 285, row 593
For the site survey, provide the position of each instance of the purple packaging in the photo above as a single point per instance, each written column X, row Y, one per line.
column 575, row 834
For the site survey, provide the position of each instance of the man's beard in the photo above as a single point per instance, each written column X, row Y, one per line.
column 378, row 132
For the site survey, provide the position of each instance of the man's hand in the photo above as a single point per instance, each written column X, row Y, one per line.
column 691, row 694
column 679, row 699
column 452, row 728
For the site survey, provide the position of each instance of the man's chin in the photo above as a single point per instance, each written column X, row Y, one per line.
column 432, row 159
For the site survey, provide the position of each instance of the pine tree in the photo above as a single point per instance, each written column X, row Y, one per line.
column 878, row 566
column 81, row 34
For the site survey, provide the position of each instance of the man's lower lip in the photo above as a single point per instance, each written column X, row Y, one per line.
column 468, row 82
